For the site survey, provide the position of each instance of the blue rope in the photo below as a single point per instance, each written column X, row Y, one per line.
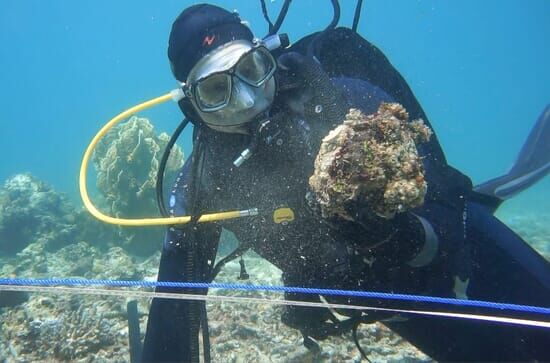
column 303, row 290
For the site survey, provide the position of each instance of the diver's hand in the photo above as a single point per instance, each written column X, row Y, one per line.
column 321, row 100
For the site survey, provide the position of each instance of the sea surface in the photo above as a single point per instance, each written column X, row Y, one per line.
column 480, row 70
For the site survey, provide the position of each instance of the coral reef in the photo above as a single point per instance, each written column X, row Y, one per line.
column 65, row 328
column 79, row 328
column 30, row 210
column 127, row 161
column 79, row 260
column 85, row 328
column 371, row 162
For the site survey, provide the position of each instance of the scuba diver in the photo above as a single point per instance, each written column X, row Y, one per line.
column 260, row 109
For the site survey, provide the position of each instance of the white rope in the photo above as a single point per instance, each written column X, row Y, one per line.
column 236, row 299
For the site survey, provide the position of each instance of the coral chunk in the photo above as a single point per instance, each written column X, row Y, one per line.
column 371, row 162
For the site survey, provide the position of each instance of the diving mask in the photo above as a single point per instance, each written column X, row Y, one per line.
column 232, row 84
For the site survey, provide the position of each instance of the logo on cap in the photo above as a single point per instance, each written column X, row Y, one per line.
column 208, row 40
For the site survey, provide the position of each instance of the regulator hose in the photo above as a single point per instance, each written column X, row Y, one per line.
column 162, row 167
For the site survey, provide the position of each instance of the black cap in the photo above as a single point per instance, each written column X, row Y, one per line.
column 198, row 30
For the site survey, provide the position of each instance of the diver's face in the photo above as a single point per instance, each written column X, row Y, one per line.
column 232, row 85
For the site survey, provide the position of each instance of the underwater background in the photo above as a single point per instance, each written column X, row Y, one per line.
column 478, row 68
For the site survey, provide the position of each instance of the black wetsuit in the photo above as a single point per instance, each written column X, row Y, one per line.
column 470, row 244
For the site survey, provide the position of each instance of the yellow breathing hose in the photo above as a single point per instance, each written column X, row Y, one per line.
column 143, row 221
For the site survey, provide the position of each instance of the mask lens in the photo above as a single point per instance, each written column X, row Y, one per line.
column 255, row 67
column 213, row 91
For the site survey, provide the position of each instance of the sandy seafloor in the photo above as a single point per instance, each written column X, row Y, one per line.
column 85, row 328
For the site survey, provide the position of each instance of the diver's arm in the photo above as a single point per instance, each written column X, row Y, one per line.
column 407, row 238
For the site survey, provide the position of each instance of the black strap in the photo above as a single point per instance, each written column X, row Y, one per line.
column 237, row 252
column 275, row 28
column 357, row 15
column 311, row 344
column 205, row 334
column 266, row 15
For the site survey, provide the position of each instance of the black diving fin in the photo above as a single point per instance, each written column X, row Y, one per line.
column 532, row 164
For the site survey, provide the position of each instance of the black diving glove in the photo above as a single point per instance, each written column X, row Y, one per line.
column 397, row 239
column 312, row 93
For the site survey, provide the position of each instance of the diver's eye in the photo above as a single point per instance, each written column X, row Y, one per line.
column 255, row 67
column 213, row 91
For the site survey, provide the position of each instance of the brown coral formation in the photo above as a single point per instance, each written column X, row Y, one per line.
column 127, row 161
column 371, row 161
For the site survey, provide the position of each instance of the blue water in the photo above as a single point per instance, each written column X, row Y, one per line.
column 480, row 70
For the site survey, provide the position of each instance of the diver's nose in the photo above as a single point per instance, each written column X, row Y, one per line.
column 244, row 95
